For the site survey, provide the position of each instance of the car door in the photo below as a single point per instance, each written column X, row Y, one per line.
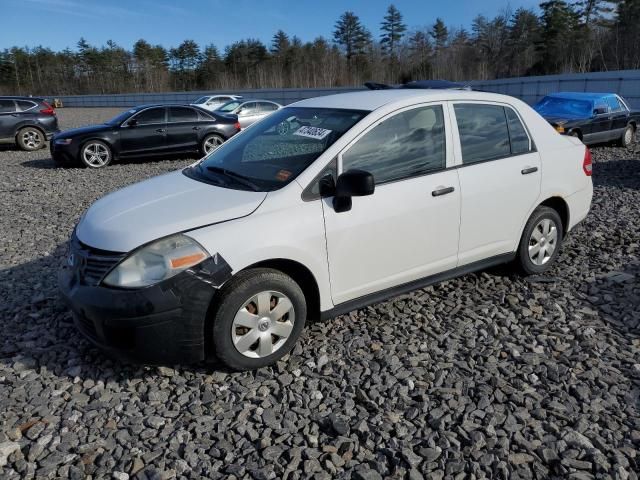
column 144, row 133
column 619, row 117
column 408, row 228
column 8, row 118
column 182, row 130
column 500, row 174
column 600, row 124
column 248, row 114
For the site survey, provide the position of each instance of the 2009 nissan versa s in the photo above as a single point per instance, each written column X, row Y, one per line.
column 369, row 195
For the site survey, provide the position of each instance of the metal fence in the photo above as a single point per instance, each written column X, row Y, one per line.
column 530, row 89
column 625, row 83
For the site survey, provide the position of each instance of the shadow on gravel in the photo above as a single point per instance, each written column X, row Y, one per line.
column 617, row 173
column 38, row 330
column 43, row 163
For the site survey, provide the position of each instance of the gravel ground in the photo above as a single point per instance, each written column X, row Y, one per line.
column 487, row 376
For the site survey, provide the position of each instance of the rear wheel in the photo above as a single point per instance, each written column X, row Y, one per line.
column 628, row 136
column 210, row 143
column 95, row 154
column 260, row 316
column 30, row 139
column 540, row 242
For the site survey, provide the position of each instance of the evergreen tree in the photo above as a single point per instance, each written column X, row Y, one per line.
column 440, row 34
column 280, row 43
column 393, row 29
column 351, row 35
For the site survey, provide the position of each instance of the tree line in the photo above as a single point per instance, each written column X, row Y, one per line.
column 562, row 37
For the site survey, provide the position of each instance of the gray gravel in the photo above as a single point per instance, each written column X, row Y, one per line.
column 487, row 376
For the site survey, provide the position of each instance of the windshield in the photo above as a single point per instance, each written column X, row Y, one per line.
column 201, row 100
column 552, row 106
column 229, row 106
column 276, row 150
column 118, row 119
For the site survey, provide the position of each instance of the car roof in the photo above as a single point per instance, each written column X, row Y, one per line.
column 374, row 99
column 580, row 95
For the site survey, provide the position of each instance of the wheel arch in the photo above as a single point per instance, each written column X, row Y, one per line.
column 560, row 205
column 577, row 130
column 301, row 275
column 29, row 125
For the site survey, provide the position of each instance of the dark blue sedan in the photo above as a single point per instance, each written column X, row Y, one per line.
column 593, row 117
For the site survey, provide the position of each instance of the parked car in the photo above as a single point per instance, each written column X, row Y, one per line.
column 592, row 117
column 27, row 121
column 249, row 111
column 212, row 102
column 144, row 131
column 387, row 192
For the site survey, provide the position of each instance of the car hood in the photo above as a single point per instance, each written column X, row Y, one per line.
column 160, row 206
column 73, row 132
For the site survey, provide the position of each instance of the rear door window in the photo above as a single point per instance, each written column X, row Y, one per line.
column 483, row 130
column 182, row 114
column 7, row 106
column 265, row 107
column 520, row 142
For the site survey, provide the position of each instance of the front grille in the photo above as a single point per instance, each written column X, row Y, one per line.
column 91, row 264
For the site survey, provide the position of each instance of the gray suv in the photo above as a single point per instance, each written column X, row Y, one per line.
column 27, row 121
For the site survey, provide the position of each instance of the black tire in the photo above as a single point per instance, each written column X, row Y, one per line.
column 524, row 261
column 212, row 137
column 30, row 139
column 236, row 293
column 574, row 133
column 628, row 136
column 99, row 147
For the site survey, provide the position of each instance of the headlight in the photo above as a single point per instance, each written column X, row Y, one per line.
column 157, row 261
column 63, row 141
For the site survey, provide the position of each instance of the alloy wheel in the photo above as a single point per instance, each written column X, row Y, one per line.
column 211, row 143
column 543, row 241
column 32, row 139
column 263, row 324
column 95, row 155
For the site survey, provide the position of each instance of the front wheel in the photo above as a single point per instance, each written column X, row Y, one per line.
column 210, row 143
column 628, row 136
column 260, row 316
column 95, row 154
column 540, row 242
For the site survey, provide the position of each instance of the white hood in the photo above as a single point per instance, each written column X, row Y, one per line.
column 160, row 206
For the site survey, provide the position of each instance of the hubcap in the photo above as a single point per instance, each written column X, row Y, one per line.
column 543, row 241
column 211, row 143
column 628, row 136
column 32, row 138
column 263, row 324
column 95, row 155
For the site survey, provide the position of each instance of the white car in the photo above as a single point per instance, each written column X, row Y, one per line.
column 249, row 111
column 212, row 102
column 370, row 195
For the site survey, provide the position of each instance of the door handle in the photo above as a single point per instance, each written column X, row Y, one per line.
column 442, row 191
column 528, row 170
column 161, row 130
column 196, row 128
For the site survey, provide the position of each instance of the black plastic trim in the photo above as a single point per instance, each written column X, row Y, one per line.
column 388, row 293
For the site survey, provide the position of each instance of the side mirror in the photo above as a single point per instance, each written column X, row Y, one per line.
column 599, row 110
column 352, row 183
column 132, row 123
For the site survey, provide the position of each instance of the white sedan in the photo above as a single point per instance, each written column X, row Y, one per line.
column 363, row 196
column 212, row 102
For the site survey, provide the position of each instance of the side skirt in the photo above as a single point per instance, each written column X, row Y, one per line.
column 388, row 293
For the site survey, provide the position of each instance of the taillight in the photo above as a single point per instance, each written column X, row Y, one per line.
column 237, row 125
column 48, row 109
column 587, row 165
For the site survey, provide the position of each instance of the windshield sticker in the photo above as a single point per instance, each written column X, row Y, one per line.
column 282, row 175
column 312, row 132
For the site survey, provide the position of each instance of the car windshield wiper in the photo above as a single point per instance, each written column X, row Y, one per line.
column 236, row 176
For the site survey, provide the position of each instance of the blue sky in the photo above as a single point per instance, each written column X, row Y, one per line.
column 60, row 23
